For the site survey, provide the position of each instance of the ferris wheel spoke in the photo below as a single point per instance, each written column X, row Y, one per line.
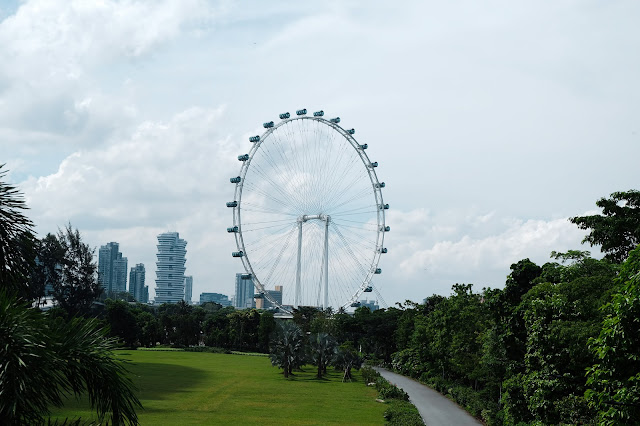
column 289, row 199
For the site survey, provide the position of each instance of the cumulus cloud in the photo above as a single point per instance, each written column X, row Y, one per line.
column 423, row 260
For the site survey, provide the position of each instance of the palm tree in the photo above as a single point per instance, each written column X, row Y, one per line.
column 43, row 360
column 287, row 347
column 17, row 242
column 323, row 349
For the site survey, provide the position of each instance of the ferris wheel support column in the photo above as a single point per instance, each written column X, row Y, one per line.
column 326, row 261
column 297, row 299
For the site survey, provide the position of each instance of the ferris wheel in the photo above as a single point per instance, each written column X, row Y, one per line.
column 308, row 214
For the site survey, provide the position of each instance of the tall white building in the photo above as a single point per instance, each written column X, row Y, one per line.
column 138, row 290
column 188, row 288
column 170, row 268
column 244, row 293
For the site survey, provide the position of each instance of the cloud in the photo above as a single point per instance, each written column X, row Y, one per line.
column 165, row 176
column 419, row 266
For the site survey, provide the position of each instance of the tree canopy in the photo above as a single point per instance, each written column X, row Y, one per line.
column 617, row 229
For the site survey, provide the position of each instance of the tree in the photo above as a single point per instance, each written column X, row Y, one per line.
column 77, row 286
column 614, row 379
column 122, row 322
column 287, row 347
column 347, row 358
column 323, row 348
column 17, row 242
column 44, row 360
column 617, row 229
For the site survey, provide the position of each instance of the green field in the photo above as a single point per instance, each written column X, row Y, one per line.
column 185, row 388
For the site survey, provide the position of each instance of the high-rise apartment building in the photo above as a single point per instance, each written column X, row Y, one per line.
column 112, row 268
column 244, row 292
column 120, row 274
column 170, row 268
column 188, row 288
column 138, row 290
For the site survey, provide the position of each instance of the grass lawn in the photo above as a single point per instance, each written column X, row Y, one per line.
column 185, row 388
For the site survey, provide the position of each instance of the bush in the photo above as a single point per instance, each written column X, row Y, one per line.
column 389, row 391
column 369, row 375
column 402, row 413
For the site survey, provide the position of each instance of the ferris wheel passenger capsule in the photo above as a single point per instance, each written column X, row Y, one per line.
column 377, row 271
column 254, row 138
column 258, row 296
column 267, row 125
column 383, row 250
column 364, row 146
column 245, row 276
column 355, row 304
column 232, row 229
column 284, row 116
column 244, row 157
column 385, row 228
column 374, row 164
column 335, row 120
column 318, row 113
column 232, row 204
column 351, row 131
column 368, row 289
column 380, row 185
column 302, row 111
column 384, row 206
column 237, row 254
column 235, row 179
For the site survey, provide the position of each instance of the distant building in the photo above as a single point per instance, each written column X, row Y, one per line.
column 120, row 274
column 188, row 288
column 264, row 303
column 138, row 290
column 218, row 298
column 112, row 268
column 244, row 293
column 170, row 268
column 371, row 304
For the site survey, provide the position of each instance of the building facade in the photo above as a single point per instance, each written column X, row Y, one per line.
column 137, row 286
column 244, row 293
column 188, row 288
column 112, row 268
column 170, row 267
column 218, row 298
column 276, row 294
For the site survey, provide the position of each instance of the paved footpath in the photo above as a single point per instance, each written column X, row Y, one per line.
column 435, row 409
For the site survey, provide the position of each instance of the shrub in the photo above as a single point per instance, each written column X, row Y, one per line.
column 403, row 413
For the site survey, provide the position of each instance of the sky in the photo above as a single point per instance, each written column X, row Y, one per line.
column 492, row 122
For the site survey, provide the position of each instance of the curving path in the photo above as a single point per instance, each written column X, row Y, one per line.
column 435, row 409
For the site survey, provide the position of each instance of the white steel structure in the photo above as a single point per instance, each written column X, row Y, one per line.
column 308, row 213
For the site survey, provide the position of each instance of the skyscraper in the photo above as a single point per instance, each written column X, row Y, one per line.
column 138, row 290
column 119, row 281
column 244, row 293
column 188, row 288
column 170, row 268
column 112, row 268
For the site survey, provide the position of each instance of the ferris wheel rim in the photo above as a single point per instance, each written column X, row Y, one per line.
column 376, row 190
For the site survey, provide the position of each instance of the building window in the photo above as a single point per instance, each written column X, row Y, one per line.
column 170, row 266
column 170, row 276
